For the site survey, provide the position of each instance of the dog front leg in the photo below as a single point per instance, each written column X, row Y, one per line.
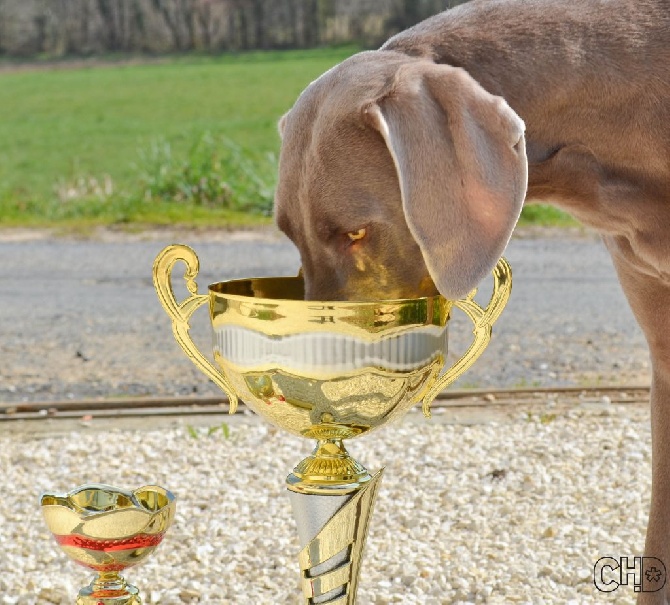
column 658, row 529
column 649, row 297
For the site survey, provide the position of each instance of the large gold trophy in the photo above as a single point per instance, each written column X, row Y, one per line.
column 328, row 371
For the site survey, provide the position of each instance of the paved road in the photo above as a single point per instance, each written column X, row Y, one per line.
column 81, row 319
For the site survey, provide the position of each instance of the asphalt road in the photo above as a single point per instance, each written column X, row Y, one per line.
column 80, row 318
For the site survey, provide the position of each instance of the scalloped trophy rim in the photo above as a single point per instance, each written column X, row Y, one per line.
column 296, row 286
column 148, row 509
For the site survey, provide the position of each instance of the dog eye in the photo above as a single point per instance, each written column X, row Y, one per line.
column 356, row 235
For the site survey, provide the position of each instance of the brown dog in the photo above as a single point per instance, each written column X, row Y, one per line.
column 403, row 170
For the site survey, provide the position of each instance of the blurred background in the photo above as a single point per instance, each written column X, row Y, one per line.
column 57, row 28
column 133, row 112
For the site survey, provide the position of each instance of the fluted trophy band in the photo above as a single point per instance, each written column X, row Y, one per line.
column 321, row 354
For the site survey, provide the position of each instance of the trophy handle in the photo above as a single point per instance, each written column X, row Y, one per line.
column 483, row 320
column 180, row 313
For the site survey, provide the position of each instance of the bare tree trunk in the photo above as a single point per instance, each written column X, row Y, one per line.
column 188, row 18
column 240, row 25
column 138, row 27
column 40, row 33
column 312, row 37
column 2, row 31
column 408, row 13
column 204, row 17
column 122, row 8
column 172, row 22
column 244, row 29
column 260, row 39
column 83, row 25
column 217, row 17
column 108, row 14
column 293, row 23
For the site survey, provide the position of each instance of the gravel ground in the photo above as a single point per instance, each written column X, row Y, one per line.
column 515, row 510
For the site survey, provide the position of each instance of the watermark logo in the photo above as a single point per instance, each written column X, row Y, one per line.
column 644, row 574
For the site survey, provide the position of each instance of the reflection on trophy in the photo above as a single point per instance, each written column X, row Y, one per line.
column 108, row 530
column 328, row 371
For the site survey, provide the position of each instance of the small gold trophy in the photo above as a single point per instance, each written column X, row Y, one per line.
column 328, row 371
column 108, row 530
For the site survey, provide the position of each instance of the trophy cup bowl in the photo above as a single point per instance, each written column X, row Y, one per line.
column 328, row 371
column 108, row 529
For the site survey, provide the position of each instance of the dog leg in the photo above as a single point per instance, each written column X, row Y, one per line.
column 649, row 298
column 658, row 529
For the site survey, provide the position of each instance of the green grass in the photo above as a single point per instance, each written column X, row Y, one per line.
column 548, row 216
column 189, row 140
column 58, row 127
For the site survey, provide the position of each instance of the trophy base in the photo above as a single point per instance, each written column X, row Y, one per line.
column 109, row 589
column 94, row 597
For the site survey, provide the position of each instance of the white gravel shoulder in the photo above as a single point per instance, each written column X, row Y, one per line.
column 512, row 510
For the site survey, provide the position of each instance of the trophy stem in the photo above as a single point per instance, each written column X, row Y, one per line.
column 332, row 497
column 109, row 580
column 330, row 470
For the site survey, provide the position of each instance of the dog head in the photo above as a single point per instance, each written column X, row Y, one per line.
column 398, row 177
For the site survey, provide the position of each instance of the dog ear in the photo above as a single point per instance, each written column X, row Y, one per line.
column 281, row 125
column 460, row 156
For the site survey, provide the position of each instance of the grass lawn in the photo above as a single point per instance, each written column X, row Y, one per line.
column 68, row 123
column 110, row 144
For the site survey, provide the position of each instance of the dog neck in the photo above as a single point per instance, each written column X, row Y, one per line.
column 572, row 70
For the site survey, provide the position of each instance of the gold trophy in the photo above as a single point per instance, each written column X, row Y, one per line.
column 328, row 371
column 108, row 530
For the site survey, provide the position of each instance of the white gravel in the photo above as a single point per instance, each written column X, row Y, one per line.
column 566, row 491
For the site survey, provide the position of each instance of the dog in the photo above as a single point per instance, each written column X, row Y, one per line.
column 402, row 171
